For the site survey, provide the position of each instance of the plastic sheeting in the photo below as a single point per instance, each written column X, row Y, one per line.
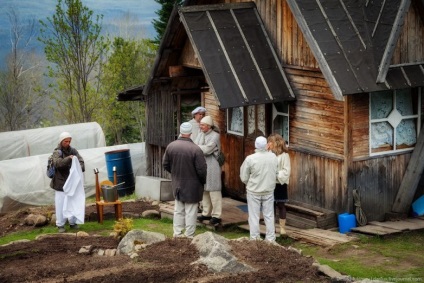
column 32, row 142
column 23, row 181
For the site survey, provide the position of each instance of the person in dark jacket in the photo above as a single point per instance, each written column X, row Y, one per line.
column 62, row 161
column 187, row 165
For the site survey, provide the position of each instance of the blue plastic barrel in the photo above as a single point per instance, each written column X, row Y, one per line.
column 121, row 159
column 418, row 207
column 346, row 222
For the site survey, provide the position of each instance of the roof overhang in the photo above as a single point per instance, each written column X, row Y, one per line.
column 132, row 94
column 354, row 42
column 236, row 54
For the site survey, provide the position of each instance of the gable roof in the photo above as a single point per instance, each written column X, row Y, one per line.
column 353, row 42
column 234, row 51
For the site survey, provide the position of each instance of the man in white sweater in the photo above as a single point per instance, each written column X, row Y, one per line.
column 258, row 172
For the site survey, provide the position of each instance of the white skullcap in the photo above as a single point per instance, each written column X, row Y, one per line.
column 185, row 128
column 207, row 120
column 198, row 109
column 260, row 142
column 63, row 136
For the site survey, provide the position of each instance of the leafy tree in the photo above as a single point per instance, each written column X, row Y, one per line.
column 21, row 106
column 164, row 13
column 74, row 44
column 128, row 66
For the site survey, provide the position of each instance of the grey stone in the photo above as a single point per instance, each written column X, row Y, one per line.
column 36, row 220
column 215, row 253
column 134, row 237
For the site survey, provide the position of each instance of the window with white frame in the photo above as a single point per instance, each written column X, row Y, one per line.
column 235, row 121
column 280, row 119
column 395, row 120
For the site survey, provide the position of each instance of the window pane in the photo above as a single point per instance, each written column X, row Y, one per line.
column 381, row 104
column 404, row 102
column 281, row 126
column 261, row 119
column 381, row 137
column 406, row 134
column 251, row 120
column 235, row 120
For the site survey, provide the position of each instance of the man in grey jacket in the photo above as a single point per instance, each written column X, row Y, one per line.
column 187, row 165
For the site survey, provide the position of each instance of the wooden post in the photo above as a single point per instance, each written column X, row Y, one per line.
column 411, row 178
column 96, row 172
column 114, row 176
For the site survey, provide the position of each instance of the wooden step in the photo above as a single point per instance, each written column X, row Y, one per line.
column 305, row 216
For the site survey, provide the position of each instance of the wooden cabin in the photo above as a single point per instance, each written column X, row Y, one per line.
column 342, row 81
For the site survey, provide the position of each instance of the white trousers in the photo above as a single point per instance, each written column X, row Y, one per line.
column 254, row 205
column 59, row 199
column 185, row 217
column 212, row 204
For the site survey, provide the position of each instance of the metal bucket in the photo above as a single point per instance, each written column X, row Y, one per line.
column 110, row 193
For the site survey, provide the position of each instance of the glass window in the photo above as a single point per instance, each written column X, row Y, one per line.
column 235, row 121
column 395, row 120
column 280, row 119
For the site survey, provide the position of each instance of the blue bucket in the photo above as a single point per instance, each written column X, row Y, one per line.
column 121, row 159
column 418, row 207
column 346, row 222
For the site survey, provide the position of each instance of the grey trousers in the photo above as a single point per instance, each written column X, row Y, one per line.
column 254, row 205
column 185, row 217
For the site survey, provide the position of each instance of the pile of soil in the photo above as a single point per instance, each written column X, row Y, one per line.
column 57, row 259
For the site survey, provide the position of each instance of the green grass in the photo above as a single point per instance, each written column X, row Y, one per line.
column 163, row 226
column 397, row 258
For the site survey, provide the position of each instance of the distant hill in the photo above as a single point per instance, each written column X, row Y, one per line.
column 141, row 13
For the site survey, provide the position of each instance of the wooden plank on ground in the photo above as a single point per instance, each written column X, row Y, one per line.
column 315, row 236
column 397, row 225
column 299, row 221
column 418, row 223
column 336, row 236
column 293, row 207
column 232, row 211
column 375, row 230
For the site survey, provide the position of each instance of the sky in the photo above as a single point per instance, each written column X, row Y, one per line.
column 143, row 11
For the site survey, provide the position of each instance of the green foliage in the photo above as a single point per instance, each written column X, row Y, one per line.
column 122, row 227
column 164, row 13
column 128, row 66
column 73, row 43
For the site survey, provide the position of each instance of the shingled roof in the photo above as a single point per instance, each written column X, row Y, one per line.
column 235, row 53
column 353, row 42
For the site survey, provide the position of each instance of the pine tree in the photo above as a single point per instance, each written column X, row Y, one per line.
column 164, row 13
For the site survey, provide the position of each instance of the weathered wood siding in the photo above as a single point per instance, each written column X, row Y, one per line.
column 378, row 181
column 160, row 129
column 410, row 45
column 318, row 181
column 359, row 126
column 316, row 118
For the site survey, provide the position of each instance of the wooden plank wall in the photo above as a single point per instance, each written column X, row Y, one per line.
column 316, row 118
column 359, row 126
column 160, row 129
column 413, row 31
column 377, row 181
column 318, row 181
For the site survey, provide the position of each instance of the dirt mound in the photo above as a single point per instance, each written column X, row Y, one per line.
column 57, row 259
